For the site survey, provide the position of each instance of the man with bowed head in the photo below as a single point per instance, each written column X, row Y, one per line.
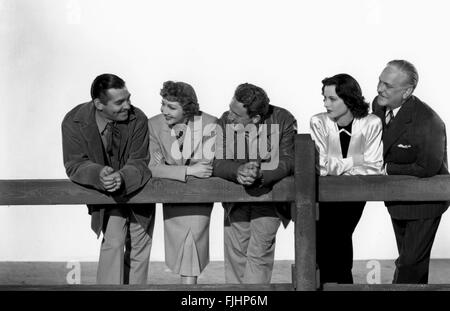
column 105, row 147
column 250, row 228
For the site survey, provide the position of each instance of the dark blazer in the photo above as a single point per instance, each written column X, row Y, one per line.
column 415, row 144
column 84, row 157
column 227, row 168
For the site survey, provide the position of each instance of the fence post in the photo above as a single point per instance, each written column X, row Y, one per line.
column 305, row 213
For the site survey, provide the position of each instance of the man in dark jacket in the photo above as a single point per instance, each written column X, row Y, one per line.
column 255, row 148
column 414, row 143
column 105, row 147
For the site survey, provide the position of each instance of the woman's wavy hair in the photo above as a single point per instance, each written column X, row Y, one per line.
column 182, row 93
column 348, row 89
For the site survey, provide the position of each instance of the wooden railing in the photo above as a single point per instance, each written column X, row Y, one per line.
column 304, row 188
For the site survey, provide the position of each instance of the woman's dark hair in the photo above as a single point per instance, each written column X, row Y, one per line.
column 348, row 89
column 104, row 82
column 253, row 98
column 182, row 93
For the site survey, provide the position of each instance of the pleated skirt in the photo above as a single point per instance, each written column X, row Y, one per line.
column 186, row 237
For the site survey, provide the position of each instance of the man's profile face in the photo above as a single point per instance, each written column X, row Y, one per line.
column 115, row 104
column 237, row 114
column 392, row 87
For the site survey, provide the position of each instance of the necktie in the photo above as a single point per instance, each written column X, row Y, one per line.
column 179, row 130
column 113, row 143
column 389, row 117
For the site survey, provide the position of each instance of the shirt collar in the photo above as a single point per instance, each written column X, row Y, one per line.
column 394, row 111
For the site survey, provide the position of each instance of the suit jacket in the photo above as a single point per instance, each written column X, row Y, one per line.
column 227, row 160
column 198, row 146
column 365, row 140
column 84, row 157
column 415, row 143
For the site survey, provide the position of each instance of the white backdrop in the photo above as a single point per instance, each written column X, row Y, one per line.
column 51, row 50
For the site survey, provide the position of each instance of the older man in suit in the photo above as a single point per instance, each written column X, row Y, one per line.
column 105, row 147
column 415, row 144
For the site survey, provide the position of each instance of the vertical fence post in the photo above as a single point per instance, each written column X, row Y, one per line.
column 305, row 213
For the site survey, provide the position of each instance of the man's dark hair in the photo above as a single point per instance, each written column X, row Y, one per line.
column 253, row 98
column 182, row 93
column 105, row 82
column 348, row 89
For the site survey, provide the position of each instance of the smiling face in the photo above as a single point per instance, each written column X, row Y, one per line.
column 114, row 105
column 173, row 112
column 335, row 106
column 393, row 88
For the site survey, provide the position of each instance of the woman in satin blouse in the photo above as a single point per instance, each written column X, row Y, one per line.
column 180, row 138
column 348, row 140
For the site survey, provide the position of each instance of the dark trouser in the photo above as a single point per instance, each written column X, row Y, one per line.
column 414, row 241
column 337, row 221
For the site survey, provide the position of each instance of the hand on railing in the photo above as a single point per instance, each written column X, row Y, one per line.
column 200, row 170
column 248, row 173
column 111, row 181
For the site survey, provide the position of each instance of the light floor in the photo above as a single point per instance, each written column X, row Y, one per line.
column 50, row 273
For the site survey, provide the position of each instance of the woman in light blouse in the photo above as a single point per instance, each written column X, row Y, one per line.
column 348, row 140
column 179, row 137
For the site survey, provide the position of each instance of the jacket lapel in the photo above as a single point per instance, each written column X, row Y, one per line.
column 191, row 139
column 89, row 130
column 334, row 141
column 169, row 141
column 398, row 125
column 354, row 143
column 126, row 131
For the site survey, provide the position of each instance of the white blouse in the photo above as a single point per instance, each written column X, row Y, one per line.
column 365, row 141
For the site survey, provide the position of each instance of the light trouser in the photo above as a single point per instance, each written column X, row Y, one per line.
column 125, row 250
column 249, row 243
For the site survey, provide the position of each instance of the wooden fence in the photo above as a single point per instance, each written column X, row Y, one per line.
column 304, row 188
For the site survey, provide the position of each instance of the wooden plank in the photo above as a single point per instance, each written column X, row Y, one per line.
column 305, row 214
column 386, row 287
column 167, row 287
column 303, row 191
column 53, row 192
column 384, row 188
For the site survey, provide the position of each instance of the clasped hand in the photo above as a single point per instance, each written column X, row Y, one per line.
column 111, row 181
column 248, row 173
